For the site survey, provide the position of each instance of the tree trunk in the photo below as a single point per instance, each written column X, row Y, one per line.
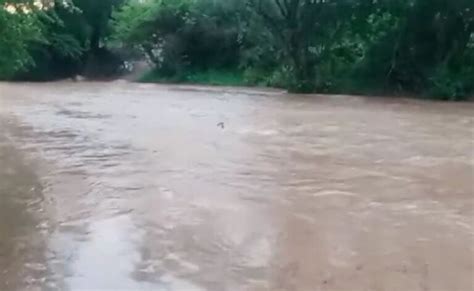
column 95, row 39
column 303, row 71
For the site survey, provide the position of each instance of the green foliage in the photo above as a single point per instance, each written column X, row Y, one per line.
column 180, row 35
column 423, row 47
column 216, row 77
column 209, row 77
column 419, row 41
column 446, row 84
column 43, row 40
column 18, row 30
column 306, row 31
column 256, row 76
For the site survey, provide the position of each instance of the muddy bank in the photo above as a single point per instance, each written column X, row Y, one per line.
column 23, row 234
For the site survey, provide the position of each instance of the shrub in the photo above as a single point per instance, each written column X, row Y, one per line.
column 446, row 84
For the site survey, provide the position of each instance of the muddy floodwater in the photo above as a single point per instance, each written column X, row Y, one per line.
column 118, row 186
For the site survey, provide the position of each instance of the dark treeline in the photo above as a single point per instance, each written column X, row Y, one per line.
column 420, row 47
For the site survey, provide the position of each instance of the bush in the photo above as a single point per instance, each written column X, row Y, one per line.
column 204, row 77
column 448, row 85
column 216, row 77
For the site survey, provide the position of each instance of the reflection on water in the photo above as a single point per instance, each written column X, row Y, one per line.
column 114, row 186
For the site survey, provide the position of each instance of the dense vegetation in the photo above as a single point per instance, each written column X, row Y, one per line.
column 43, row 40
column 422, row 47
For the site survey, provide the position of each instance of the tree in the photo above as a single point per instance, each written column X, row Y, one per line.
column 71, row 39
column 95, row 16
column 425, row 41
column 181, row 35
column 19, row 28
column 305, row 30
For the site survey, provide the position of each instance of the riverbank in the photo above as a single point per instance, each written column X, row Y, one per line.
column 259, row 80
column 210, row 77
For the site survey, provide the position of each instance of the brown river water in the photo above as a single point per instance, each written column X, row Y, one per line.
column 119, row 186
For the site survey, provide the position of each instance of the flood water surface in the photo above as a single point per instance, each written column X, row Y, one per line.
column 118, row 186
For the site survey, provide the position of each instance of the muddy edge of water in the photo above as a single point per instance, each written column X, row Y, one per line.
column 23, row 235
column 114, row 186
